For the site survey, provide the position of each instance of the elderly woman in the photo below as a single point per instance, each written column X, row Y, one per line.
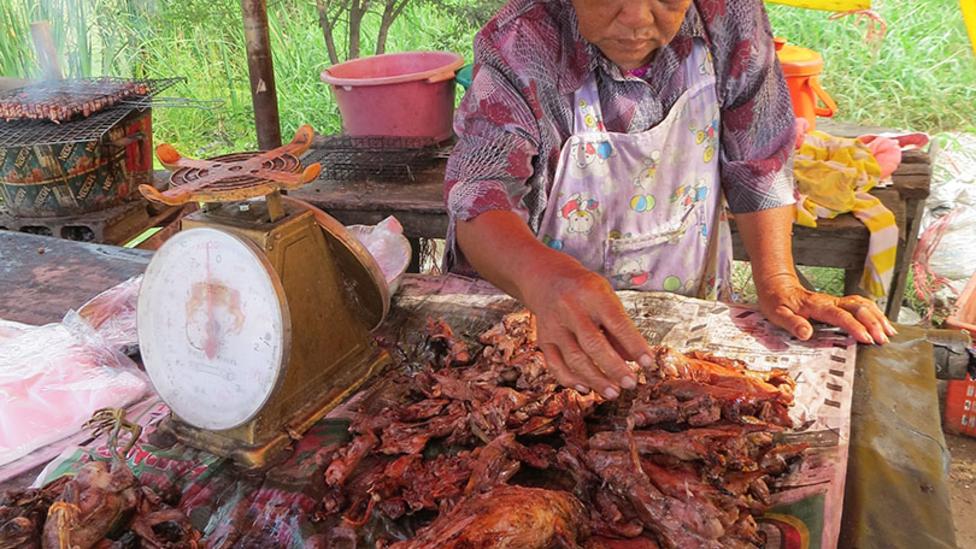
column 601, row 144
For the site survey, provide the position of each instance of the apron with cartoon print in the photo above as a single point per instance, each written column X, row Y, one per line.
column 646, row 210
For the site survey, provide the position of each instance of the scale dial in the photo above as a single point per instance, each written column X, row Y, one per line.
column 213, row 327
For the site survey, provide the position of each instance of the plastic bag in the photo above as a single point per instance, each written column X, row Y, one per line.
column 955, row 258
column 112, row 314
column 386, row 243
column 954, row 189
column 54, row 377
column 953, row 175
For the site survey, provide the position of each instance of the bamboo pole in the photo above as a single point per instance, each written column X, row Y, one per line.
column 47, row 54
column 264, row 97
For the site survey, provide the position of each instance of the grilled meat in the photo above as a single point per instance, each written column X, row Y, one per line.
column 683, row 460
column 63, row 100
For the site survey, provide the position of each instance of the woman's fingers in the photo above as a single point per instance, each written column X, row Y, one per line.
column 834, row 315
column 792, row 308
column 793, row 323
column 869, row 315
column 621, row 330
column 582, row 366
column 600, row 351
column 557, row 367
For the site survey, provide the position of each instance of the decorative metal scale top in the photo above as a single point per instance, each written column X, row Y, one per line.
column 234, row 177
column 228, row 171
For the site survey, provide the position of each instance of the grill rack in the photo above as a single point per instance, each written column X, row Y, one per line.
column 19, row 133
column 377, row 158
column 86, row 87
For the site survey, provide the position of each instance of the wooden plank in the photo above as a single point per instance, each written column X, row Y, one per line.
column 903, row 264
column 364, row 199
column 170, row 225
column 841, row 242
column 916, row 156
column 8, row 83
column 42, row 278
column 425, row 194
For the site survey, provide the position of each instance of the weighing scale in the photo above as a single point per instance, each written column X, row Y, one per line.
column 254, row 320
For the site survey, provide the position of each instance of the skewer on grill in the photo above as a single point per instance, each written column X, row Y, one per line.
column 59, row 104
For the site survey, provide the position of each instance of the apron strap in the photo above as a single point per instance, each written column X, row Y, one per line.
column 587, row 113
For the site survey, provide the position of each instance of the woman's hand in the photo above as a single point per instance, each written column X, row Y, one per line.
column 791, row 306
column 583, row 329
column 768, row 240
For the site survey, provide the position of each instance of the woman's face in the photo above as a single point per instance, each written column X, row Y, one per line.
column 629, row 31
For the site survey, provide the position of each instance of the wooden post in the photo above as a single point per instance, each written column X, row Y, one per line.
column 260, row 68
column 47, row 54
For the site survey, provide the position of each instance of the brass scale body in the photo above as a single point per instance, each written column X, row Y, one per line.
column 332, row 290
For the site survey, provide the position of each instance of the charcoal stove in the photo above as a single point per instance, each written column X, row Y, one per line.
column 254, row 319
column 75, row 179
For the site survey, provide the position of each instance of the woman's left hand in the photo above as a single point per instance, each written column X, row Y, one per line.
column 791, row 307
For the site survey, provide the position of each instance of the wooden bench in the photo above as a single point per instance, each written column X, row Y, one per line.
column 839, row 243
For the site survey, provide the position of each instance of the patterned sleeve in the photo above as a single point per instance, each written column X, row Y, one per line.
column 498, row 138
column 758, row 132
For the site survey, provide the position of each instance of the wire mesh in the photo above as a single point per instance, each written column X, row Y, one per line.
column 24, row 133
column 27, row 132
column 378, row 158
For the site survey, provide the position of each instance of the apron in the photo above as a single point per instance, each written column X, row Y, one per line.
column 645, row 210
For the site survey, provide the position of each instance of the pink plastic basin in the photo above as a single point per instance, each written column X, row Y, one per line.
column 400, row 94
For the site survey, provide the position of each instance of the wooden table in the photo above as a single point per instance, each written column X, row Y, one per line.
column 840, row 243
column 42, row 278
column 896, row 494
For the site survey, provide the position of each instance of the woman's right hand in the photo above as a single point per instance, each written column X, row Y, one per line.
column 583, row 329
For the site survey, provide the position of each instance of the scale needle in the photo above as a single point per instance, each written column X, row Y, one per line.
column 211, row 344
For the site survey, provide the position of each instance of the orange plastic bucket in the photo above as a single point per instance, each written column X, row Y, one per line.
column 802, row 67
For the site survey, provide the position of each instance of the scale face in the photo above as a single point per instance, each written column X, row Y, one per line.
column 213, row 327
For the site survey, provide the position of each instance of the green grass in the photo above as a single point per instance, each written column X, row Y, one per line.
column 921, row 77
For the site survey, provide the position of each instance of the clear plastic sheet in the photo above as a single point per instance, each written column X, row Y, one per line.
column 386, row 243
column 112, row 314
column 53, row 377
column 953, row 192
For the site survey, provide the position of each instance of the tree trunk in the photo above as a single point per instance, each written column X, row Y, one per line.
column 326, row 24
column 357, row 9
column 261, row 72
column 391, row 11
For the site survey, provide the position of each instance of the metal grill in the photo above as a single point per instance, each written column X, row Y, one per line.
column 208, row 177
column 54, row 89
column 378, row 158
column 92, row 128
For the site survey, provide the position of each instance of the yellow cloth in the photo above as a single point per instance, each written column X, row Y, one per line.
column 833, row 176
column 826, row 5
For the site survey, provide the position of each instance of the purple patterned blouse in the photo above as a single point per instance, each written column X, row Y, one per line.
column 518, row 112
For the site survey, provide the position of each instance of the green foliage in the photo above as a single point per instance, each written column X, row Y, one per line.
column 203, row 40
column 921, row 77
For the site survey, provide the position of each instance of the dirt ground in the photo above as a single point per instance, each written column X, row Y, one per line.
column 962, row 489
